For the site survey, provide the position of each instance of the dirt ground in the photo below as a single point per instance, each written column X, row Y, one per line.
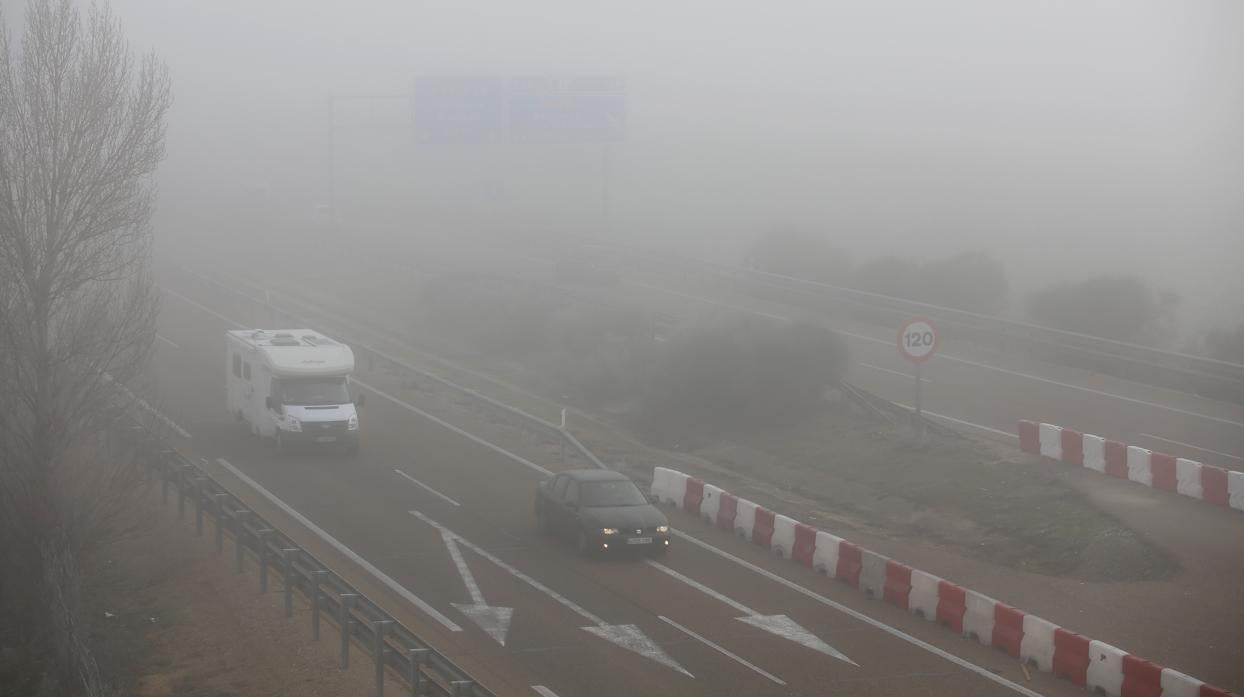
column 172, row 619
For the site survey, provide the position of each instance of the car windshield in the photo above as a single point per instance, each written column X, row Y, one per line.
column 612, row 493
column 319, row 391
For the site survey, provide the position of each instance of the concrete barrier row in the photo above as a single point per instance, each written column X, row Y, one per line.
column 1141, row 465
column 1039, row 643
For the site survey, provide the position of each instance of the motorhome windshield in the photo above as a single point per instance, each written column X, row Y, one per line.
column 311, row 392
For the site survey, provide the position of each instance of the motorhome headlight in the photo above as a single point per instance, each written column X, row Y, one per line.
column 295, row 425
column 353, row 423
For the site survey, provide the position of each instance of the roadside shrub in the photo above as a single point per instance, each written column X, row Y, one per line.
column 973, row 281
column 740, row 375
column 1123, row 308
column 790, row 252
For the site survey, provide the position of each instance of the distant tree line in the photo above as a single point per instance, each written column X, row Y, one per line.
column 1123, row 308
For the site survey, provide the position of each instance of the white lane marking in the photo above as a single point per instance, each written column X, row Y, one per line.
column 876, row 624
column 202, row 308
column 543, row 691
column 1194, row 447
column 966, row 361
column 468, row 579
column 779, row 625
column 429, row 489
column 393, row 399
column 626, row 636
column 495, row 621
column 893, row 372
column 702, row 588
column 341, row 548
column 146, row 406
column 720, row 649
column 161, row 337
column 565, row 602
column 469, row 436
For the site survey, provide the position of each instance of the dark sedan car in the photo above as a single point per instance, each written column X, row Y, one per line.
column 601, row 511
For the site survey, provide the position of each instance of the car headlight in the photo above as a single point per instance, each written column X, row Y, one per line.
column 353, row 423
column 295, row 425
column 608, row 531
column 663, row 528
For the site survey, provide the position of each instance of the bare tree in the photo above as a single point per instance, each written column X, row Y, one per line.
column 81, row 133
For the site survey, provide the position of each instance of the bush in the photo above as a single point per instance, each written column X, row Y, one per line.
column 1123, row 308
column 789, row 252
column 742, row 375
column 973, row 281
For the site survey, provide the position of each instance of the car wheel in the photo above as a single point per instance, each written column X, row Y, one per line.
column 581, row 543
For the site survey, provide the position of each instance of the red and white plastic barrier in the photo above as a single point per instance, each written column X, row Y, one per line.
column 1037, row 642
column 1141, row 465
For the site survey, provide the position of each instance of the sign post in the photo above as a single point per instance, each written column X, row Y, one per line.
column 917, row 342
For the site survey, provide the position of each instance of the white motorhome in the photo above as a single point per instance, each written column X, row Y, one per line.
column 292, row 385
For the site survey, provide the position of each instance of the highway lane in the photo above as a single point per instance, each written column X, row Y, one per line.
column 366, row 505
column 968, row 385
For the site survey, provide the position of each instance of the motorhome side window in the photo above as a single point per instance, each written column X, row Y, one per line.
column 237, row 366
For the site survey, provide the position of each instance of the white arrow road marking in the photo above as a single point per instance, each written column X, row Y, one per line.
column 780, row 625
column 627, row 636
column 493, row 620
column 342, row 549
column 720, row 649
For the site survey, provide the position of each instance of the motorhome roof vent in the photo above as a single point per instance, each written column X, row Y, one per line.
column 313, row 340
column 284, row 340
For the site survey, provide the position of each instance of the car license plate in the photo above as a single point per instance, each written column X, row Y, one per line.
column 326, row 439
column 639, row 541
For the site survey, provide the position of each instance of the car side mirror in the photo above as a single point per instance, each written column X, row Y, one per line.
column 269, row 403
column 358, row 401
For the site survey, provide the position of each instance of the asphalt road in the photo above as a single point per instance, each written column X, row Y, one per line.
column 449, row 517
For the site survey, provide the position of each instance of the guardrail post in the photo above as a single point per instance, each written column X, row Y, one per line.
column 417, row 658
column 288, row 555
column 261, row 537
column 561, row 439
column 378, row 652
column 198, row 506
column 344, row 623
column 181, row 491
column 219, row 502
column 460, row 687
column 239, row 532
column 316, row 575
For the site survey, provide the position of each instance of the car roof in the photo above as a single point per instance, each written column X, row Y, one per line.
column 595, row 475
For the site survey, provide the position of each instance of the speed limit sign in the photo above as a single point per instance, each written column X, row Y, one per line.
column 917, row 340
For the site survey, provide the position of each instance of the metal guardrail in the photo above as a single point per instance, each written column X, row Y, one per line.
column 395, row 650
column 527, row 422
column 1204, row 376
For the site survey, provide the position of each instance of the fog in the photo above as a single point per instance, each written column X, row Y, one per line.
column 1071, row 138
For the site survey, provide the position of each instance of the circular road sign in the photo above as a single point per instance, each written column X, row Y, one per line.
column 917, row 340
